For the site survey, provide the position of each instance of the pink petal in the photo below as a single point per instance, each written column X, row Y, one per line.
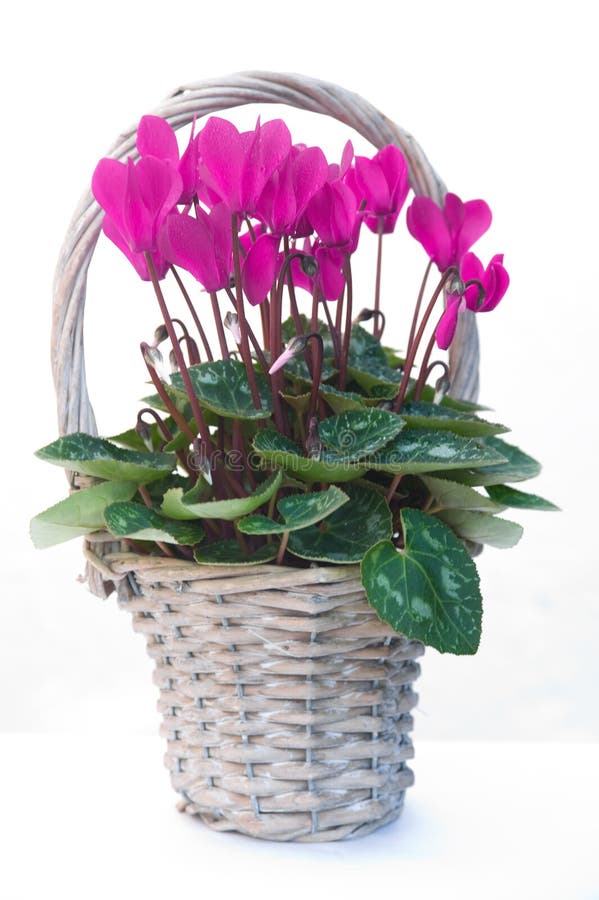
column 454, row 214
column 188, row 242
column 373, row 185
column 221, row 157
column 309, row 170
column 155, row 137
column 222, row 242
column 188, row 170
column 137, row 260
column 330, row 276
column 501, row 282
column 270, row 145
column 260, row 268
column 447, row 324
column 477, row 219
column 427, row 224
column 109, row 185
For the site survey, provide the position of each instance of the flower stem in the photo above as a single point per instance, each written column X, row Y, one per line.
column 244, row 346
column 194, row 315
column 415, row 342
column 193, row 400
column 377, row 287
column 419, row 304
column 163, row 394
column 347, row 330
column 222, row 338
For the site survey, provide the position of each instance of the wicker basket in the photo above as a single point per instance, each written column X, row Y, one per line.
column 286, row 701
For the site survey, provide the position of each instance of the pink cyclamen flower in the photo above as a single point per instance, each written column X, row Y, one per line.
column 236, row 166
column 494, row 281
column 201, row 246
column 137, row 197
column 448, row 233
column 281, row 207
column 155, row 137
column 382, row 185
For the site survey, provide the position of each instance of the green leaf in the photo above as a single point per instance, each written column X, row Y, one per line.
column 345, row 535
column 482, row 528
column 429, row 591
column 377, row 379
column 517, row 466
column 222, row 386
column 417, row 451
column 299, row 403
column 81, row 513
column 133, row 520
column 278, row 451
column 298, row 511
column 431, row 415
column 178, row 505
column 229, row 553
column 341, row 401
column 452, row 495
column 358, row 433
column 95, row 456
column 365, row 350
column 507, row 496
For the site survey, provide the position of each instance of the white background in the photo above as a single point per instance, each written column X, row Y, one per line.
column 503, row 100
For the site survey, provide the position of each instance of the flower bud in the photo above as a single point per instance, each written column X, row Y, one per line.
column 160, row 335
column 296, row 345
column 442, row 386
column 231, row 321
column 145, row 432
column 309, row 266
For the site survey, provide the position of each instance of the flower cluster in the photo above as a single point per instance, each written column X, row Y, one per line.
column 256, row 200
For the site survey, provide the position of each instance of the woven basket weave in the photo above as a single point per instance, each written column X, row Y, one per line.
column 285, row 700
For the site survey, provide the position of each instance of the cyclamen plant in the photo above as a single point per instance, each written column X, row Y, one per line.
column 309, row 442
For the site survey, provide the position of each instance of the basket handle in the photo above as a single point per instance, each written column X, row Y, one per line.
column 203, row 98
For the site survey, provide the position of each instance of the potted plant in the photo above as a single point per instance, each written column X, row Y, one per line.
column 295, row 511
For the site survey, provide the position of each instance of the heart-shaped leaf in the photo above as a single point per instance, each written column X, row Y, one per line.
column 359, row 433
column 298, row 511
column 507, row 496
column 418, row 450
column 345, row 535
column 229, row 553
column 132, row 520
column 482, row 528
column 178, row 505
column 452, row 495
column 429, row 591
column 443, row 418
column 81, row 513
column 516, row 466
column 222, row 386
column 278, row 451
column 95, row 456
column 341, row 401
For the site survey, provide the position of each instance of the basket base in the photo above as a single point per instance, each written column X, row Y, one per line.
column 259, row 827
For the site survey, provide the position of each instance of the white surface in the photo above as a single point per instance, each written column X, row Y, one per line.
column 503, row 99
column 96, row 819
